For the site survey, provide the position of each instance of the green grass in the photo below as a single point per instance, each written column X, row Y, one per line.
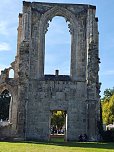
column 56, row 146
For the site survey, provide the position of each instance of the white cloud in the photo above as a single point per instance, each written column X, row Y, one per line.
column 4, row 46
column 3, row 28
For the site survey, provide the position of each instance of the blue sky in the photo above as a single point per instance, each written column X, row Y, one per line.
column 9, row 10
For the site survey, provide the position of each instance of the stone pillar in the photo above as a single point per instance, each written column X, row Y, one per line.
column 19, row 36
column 13, row 111
column 41, row 55
column 74, row 49
column 78, row 47
column 23, row 87
column 26, row 21
column 92, row 74
column 19, row 29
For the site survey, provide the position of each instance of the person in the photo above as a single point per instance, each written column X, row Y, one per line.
column 80, row 138
column 84, row 137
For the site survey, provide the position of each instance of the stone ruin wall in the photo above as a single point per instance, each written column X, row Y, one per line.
column 34, row 94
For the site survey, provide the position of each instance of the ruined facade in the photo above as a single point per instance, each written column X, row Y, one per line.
column 35, row 95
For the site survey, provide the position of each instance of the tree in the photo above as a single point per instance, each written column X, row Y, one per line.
column 111, row 108
column 58, row 118
column 108, row 106
column 108, row 93
column 105, row 111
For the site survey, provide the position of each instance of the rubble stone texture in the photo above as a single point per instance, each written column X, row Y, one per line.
column 35, row 95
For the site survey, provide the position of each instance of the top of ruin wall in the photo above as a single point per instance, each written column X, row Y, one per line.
column 33, row 4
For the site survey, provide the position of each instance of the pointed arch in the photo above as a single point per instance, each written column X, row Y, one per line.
column 10, row 90
column 43, row 25
column 57, row 11
column 11, row 73
column 5, row 104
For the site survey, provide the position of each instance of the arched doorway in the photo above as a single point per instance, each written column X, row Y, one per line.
column 5, row 100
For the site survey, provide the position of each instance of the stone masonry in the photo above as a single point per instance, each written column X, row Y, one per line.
column 35, row 95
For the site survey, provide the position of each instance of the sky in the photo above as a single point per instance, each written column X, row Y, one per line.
column 58, row 47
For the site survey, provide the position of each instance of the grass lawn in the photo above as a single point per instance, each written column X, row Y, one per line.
column 56, row 146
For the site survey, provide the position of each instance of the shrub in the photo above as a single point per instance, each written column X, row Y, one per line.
column 108, row 135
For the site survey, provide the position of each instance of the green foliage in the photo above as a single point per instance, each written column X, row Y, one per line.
column 108, row 106
column 111, row 107
column 58, row 118
column 108, row 93
column 5, row 98
column 105, row 111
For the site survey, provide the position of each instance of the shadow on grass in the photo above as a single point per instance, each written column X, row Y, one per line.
column 79, row 144
column 60, row 142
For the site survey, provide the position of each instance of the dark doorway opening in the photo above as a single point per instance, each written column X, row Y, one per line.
column 5, row 98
